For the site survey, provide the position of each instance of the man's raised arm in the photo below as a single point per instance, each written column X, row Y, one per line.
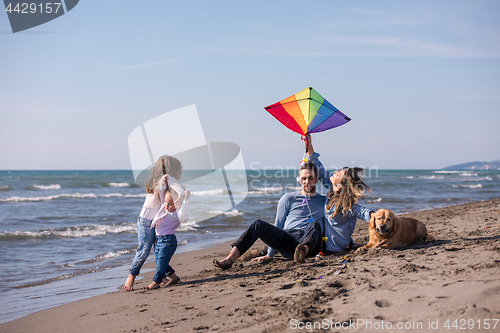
column 323, row 174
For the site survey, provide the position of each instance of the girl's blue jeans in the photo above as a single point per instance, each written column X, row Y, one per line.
column 146, row 237
column 164, row 250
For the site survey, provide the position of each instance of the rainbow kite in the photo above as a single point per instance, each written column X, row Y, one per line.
column 307, row 112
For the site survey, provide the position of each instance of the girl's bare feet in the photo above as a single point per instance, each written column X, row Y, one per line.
column 153, row 285
column 129, row 285
column 168, row 282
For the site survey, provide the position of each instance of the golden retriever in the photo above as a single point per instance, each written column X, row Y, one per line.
column 390, row 231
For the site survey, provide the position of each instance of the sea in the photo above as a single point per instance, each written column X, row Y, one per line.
column 70, row 235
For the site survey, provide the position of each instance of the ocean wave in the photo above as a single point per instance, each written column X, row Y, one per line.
column 233, row 212
column 468, row 186
column 468, row 174
column 265, row 190
column 374, row 200
column 293, row 188
column 119, row 184
column 268, row 202
column 431, row 177
column 4, row 188
column 483, row 178
column 188, row 226
column 109, row 255
column 183, row 242
column 72, row 232
column 65, row 276
column 120, row 195
column 48, row 187
column 477, row 179
column 48, row 198
column 208, row 192
column 71, row 196
column 409, row 177
column 447, row 171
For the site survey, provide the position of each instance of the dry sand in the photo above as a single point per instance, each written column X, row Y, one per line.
column 421, row 286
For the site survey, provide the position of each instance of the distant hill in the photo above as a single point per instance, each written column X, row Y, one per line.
column 493, row 165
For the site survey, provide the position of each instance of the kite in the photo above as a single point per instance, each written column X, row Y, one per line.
column 307, row 112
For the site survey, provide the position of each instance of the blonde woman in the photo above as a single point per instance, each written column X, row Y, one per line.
column 156, row 187
column 342, row 210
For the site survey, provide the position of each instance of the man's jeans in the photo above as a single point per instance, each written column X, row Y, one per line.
column 164, row 250
column 283, row 241
column 146, row 237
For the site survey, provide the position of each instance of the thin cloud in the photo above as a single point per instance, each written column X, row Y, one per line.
column 398, row 46
column 366, row 11
column 261, row 48
column 328, row 45
column 150, row 64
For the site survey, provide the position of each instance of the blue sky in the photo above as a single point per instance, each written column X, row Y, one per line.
column 420, row 80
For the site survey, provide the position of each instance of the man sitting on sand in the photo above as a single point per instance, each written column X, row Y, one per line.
column 297, row 230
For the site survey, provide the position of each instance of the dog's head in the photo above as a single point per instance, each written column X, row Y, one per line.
column 383, row 221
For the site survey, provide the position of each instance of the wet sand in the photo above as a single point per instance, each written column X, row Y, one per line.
column 421, row 286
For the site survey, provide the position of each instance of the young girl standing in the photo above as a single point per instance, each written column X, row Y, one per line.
column 156, row 187
column 174, row 211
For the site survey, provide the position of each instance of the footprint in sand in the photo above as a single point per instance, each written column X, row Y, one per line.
column 382, row 304
column 418, row 298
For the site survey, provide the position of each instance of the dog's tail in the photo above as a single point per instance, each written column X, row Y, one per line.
column 429, row 238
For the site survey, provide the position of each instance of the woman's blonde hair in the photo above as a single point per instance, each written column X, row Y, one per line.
column 165, row 164
column 353, row 188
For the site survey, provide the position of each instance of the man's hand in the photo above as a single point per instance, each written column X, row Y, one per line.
column 266, row 257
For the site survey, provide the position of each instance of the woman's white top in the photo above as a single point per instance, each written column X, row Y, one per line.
column 153, row 201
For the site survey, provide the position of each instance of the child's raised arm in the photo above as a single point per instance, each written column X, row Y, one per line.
column 182, row 201
column 183, row 212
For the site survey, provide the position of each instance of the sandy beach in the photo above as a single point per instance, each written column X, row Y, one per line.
column 445, row 285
